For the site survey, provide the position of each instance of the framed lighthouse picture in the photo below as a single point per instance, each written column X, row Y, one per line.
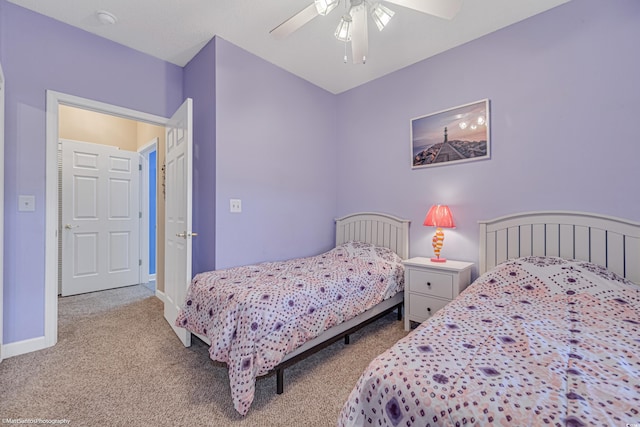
column 458, row 134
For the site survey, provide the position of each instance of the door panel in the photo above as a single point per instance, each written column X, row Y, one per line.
column 86, row 254
column 119, row 199
column 178, row 233
column 100, row 217
column 119, row 252
column 85, row 197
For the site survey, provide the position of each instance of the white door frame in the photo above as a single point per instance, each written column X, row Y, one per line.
column 54, row 100
column 144, row 152
column 1, row 207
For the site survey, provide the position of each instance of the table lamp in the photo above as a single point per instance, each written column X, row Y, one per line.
column 439, row 216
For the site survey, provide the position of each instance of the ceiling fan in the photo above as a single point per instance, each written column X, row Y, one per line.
column 353, row 24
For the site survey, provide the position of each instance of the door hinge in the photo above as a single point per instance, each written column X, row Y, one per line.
column 139, row 262
column 139, row 166
column 139, row 214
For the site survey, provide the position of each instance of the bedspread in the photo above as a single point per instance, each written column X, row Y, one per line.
column 535, row 341
column 255, row 315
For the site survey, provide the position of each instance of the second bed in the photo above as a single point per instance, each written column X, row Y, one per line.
column 549, row 334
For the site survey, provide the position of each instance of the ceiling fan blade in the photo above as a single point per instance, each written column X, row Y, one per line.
column 295, row 22
column 446, row 9
column 359, row 35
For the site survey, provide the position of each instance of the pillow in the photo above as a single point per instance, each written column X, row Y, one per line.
column 369, row 250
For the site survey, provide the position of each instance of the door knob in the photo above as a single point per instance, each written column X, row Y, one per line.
column 69, row 226
column 184, row 234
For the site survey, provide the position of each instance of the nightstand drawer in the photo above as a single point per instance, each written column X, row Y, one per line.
column 422, row 307
column 427, row 282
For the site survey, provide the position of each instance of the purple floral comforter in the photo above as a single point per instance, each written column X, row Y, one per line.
column 535, row 341
column 255, row 315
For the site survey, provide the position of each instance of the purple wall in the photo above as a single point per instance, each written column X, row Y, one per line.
column 276, row 151
column 199, row 84
column 564, row 99
column 39, row 53
column 564, row 94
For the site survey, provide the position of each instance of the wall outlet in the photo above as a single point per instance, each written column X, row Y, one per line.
column 26, row 203
column 235, row 205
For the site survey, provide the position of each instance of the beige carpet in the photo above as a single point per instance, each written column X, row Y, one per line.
column 118, row 363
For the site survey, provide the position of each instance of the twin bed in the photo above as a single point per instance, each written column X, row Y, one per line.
column 264, row 317
column 548, row 334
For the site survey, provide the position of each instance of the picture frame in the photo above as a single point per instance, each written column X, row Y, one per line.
column 455, row 135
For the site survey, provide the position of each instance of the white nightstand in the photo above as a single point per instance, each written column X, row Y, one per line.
column 429, row 286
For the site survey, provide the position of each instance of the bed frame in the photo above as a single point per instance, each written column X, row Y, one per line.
column 611, row 242
column 368, row 227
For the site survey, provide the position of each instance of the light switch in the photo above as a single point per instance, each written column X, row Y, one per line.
column 26, row 203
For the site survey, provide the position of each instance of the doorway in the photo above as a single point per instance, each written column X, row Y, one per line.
column 111, row 156
column 54, row 101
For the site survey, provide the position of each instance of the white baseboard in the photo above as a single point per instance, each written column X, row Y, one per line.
column 23, row 347
column 160, row 296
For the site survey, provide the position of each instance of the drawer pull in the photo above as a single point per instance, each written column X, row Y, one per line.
column 429, row 309
column 428, row 284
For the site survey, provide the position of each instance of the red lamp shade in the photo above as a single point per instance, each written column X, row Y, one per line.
column 439, row 216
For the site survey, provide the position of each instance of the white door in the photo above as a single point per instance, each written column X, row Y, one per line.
column 178, row 233
column 100, row 217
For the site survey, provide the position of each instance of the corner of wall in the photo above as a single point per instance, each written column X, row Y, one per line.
column 199, row 85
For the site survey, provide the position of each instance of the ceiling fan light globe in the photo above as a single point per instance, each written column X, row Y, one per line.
column 381, row 15
column 325, row 6
column 343, row 32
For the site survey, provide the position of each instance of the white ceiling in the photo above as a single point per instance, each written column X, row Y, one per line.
column 175, row 30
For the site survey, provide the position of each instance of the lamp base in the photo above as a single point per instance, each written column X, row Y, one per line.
column 438, row 260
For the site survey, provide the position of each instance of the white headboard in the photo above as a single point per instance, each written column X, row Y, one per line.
column 379, row 229
column 611, row 242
